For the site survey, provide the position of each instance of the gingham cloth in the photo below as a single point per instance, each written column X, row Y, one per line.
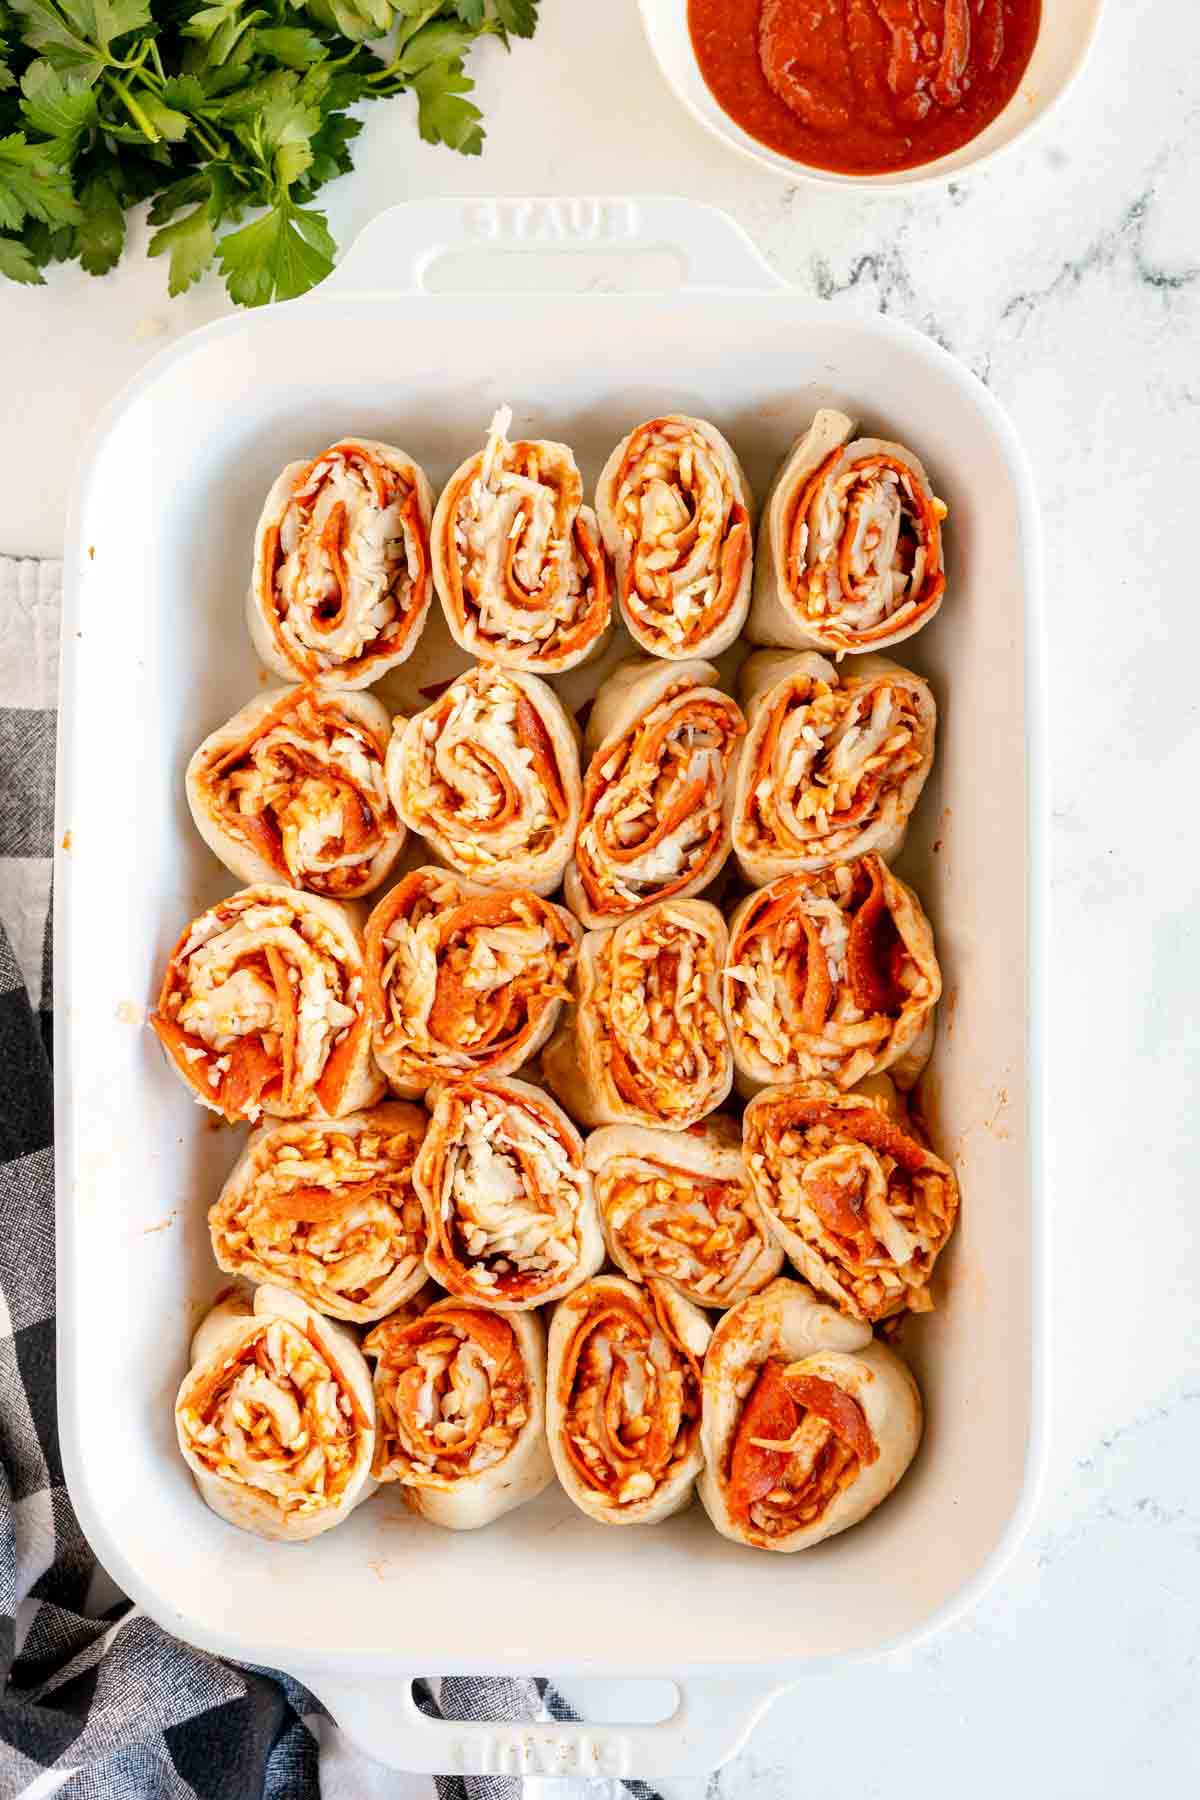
column 96, row 1701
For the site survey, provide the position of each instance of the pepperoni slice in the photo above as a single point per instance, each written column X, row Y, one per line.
column 251, row 1072
column 770, row 1412
column 536, row 739
column 875, row 951
column 843, row 1415
column 774, row 1409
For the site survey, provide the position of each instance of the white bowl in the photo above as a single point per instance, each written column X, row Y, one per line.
column 1067, row 32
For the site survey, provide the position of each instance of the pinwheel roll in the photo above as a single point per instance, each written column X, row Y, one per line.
column 517, row 557
column 674, row 507
column 328, row 1209
column 262, row 1008
column 859, row 1202
column 808, row 1424
column 850, row 547
column 489, row 775
column 664, row 744
column 341, row 583
column 508, row 1202
column 460, row 1399
column 833, row 764
column 678, row 1206
column 831, row 977
column 462, row 982
column 292, row 789
column 644, row 1042
column 276, row 1417
column 623, row 1399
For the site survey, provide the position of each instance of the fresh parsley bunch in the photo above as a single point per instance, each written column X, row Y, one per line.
column 229, row 117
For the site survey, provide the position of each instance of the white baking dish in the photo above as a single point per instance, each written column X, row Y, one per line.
column 155, row 654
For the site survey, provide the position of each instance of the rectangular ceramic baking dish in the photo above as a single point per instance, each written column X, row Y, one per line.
column 156, row 654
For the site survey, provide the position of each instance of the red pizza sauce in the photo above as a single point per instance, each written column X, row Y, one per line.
column 863, row 86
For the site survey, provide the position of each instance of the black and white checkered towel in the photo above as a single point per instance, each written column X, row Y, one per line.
column 96, row 1701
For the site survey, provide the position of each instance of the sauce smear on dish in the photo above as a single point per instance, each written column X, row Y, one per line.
column 863, row 87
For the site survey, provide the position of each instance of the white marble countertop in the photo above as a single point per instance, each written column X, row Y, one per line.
column 1069, row 279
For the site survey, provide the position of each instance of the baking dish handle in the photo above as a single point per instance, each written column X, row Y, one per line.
column 394, row 252
column 710, row 1724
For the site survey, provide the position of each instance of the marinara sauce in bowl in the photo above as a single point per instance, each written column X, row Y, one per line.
column 876, row 92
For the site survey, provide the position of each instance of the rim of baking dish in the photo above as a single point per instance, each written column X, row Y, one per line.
column 248, row 1647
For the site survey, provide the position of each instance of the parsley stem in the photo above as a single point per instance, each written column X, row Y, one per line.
column 132, row 63
column 134, row 110
column 210, row 143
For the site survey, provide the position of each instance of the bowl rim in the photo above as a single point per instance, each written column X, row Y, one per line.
column 721, row 125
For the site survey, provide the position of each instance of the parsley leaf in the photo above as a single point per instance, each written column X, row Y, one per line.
column 440, row 39
column 62, row 108
column 443, row 117
column 109, row 19
column 270, row 97
column 284, row 117
column 47, row 245
column 291, row 161
column 100, row 236
column 277, row 257
column 31, row 187
column 60, row 42
column 184, row 192
column 167, row 122
column 78, row 34
column 186, row 92
column 357, row 20
column 330, row 148
column 206, row 21
column 290, row 45
column 17, row 262
column 274, row 128
column 227, row 199
column 191, row 245
column 517, row 16
column 217, row 112
column 221, row 28
column 342, row 87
